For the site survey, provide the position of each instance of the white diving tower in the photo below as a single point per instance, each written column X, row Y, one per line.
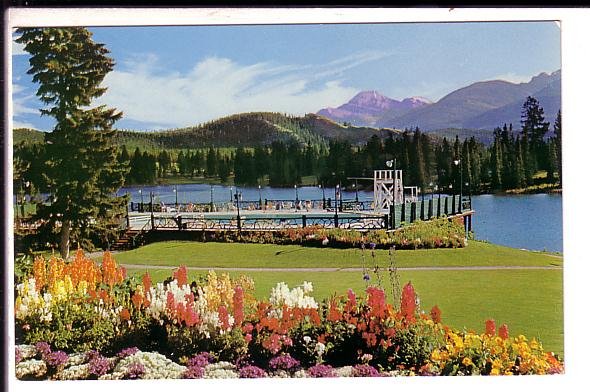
column 388, row 189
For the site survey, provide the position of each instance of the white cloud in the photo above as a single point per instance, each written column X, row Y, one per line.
column 513, row 78
column 216, row 87
column 21, row 105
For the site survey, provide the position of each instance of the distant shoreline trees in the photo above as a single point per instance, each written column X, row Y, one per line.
column 511, row 161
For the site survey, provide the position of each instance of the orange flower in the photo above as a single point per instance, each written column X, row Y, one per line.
column 39, row 273
column 180, row 275
column 125, row 315
column 435, row 314
column 147, row 282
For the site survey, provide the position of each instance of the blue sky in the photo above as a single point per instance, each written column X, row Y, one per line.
column 168, row 77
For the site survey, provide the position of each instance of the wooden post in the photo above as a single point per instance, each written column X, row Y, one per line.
column 336, row 220
column 392, row 215
column 438, row 207
column 453, row 208
column 422, row 209
column 430, row 202
column 403, row 217
column 446, row 205
column 304, row 220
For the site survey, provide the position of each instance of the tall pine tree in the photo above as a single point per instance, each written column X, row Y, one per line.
column 82, row 168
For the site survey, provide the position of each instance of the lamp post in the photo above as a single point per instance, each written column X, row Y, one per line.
column 238, row 207
column 231, row 193
column 296, row 195
column 458, row 162
column 323, row 196
column 259, row 197
column 336, row 192
column 211, row 203
column 176, row 197
column 356, row 190
column 141, row 196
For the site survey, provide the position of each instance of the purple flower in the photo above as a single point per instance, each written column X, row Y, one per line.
column 135, row 371
column 43, row 348
column 365, row 371
column 99, row 365
column 283, row 362
column 200, row 360
column 252, row 371
column 90, row 355
column 127, row 352
column 194, row 372
column 372, row 245
column 18, row 355
column 320, row 370
column 366, row 277
column 56, row 359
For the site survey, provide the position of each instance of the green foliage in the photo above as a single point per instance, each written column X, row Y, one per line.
column 80, row 168
column 73, row 327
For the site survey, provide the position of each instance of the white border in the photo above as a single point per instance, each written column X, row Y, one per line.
column 575, row 69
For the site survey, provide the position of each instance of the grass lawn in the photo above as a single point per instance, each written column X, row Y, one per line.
column 214, row 254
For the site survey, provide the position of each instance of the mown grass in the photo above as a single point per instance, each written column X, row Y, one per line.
column 213, row 254
column 530, row 302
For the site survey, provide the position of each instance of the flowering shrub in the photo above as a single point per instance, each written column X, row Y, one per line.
column 217, row 329
column 434, row 233
column 252, row 371
column 321, row 370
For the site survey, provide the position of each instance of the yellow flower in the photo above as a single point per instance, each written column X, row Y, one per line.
column 435, row 356
column 467, row 361
column 495, row 372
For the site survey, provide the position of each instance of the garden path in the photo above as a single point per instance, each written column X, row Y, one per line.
column 352, row 269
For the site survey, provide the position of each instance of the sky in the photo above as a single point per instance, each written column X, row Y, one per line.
column 177, row 76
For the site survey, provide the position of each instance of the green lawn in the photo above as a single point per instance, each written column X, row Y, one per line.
column 213, row 254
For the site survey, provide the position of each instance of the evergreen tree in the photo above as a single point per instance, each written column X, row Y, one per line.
column 211, row 162
column 558, row 147
column 534, row 128
column 82, row 157
column 496, row 161
column 417, row 170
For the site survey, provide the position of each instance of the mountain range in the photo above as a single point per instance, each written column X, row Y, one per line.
column 479, row 106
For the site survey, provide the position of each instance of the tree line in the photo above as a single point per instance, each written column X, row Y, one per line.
column 511, row 161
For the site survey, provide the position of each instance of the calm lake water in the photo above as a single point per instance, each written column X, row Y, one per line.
column 527, row 221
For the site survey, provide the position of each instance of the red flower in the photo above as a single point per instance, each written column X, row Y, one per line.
column 408, row 302
column 491, row 327
column 334, row 314
column 435, row 314
column 181, row 275
column 223, row 317
column 351, row 303
column 503, row 332
column 147, row 282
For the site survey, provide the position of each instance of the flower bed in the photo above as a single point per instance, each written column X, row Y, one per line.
column 79, row 320
column 435, row 233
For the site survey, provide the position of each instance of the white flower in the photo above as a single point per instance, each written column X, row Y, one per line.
column 307, row 287
column 320, row 348
column 306, row 339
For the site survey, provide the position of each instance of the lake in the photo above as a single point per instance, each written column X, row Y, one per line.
column 520, row 221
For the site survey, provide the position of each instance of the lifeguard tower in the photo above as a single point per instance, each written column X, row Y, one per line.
column 388, row 189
